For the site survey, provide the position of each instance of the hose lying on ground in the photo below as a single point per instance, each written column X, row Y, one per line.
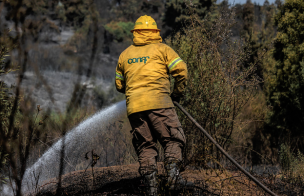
column 223, row 151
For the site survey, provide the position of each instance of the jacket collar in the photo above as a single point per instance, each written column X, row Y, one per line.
column 144, row 37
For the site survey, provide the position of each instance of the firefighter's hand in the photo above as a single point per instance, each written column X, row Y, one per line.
column 175, row 98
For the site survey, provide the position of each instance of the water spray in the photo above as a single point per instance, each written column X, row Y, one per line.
column 76, row 142
column 223, row 151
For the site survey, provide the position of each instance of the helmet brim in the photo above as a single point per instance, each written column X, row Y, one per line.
column 144, row 29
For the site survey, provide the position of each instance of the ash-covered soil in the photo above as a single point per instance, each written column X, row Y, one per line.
column 53, row 90
column 58, row 86
column 125, row 180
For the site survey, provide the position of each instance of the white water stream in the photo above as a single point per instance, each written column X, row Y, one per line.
column 75, row 144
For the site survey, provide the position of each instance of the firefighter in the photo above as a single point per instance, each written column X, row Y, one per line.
column 142, row 74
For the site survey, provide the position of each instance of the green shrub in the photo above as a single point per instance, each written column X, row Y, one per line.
column 218, row 85
column 286, row 81
column 6, row 105
column 292, row 164
column 120, row 30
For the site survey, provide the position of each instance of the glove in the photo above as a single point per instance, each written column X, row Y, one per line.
column 175, row 98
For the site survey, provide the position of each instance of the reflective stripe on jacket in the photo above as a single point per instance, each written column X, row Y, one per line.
column 142, row 73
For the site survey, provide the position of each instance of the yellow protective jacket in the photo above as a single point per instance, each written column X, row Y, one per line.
column 143, row 69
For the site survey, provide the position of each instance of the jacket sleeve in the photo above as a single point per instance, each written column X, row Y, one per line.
column 119, row 77
column 178, row 69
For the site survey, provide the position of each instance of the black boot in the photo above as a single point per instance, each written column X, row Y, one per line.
column 174, row 180
column 151, row 183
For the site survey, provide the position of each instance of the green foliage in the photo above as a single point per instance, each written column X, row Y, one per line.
column 218, row 86
column 3, row 162
column 128, row 9
column 249, row 134
column 249, row 34
column 258, row 32
column 84, row 17
column 60, row 11
column 266, row 36
column 285, row 157
column 291, row 164
column 120, row 30
column 286, row 83
column 257, row 29
column 38, row 6
column 177, row 13
column 6, row 102
column 249, row 19
column 75, row 11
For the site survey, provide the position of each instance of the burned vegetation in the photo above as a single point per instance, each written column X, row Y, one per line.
column 64, row 128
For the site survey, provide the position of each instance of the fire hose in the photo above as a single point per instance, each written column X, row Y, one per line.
column 223, row 151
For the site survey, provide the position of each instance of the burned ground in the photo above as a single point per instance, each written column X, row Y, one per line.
column 125, row 180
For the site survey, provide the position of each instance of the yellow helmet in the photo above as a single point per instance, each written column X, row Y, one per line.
column 145, row 22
